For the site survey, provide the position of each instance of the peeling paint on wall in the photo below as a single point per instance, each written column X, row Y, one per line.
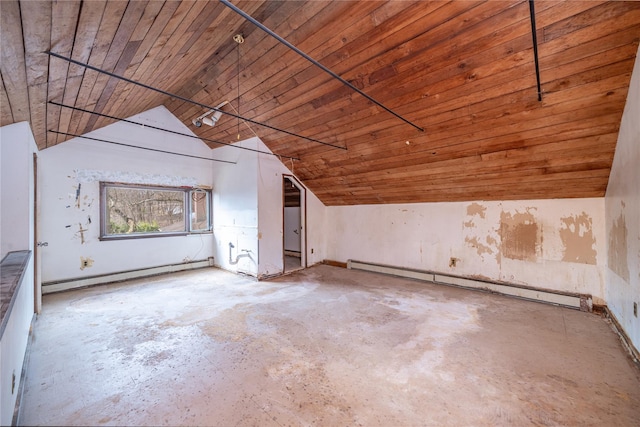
column 520, row 236
column 478, row 236
column 617, row 253
column 578, row 239
column 481, row 248
column 88, row 175
column 476, row 209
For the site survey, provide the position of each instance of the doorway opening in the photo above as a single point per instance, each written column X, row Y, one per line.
column 293, row 224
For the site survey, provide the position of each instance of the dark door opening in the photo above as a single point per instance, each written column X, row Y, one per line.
column 293, row 225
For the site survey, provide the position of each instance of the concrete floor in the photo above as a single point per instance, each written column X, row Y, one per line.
column 324, row 346
column 292, row 263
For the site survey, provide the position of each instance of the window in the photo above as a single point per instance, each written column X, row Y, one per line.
column 148, row 211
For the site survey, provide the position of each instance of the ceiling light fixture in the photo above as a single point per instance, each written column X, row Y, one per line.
column 209, row 121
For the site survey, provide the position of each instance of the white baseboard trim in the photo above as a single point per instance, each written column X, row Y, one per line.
column 65, row 285
column 624, row 338
column 578, row 301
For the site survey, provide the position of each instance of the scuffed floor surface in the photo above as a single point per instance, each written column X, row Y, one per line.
column 325, row 346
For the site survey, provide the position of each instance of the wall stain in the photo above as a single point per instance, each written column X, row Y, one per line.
column 81, row 233
column 519, row 235
column 617, row 253
column 78, row 196
column 578, row 239
column 483, row 244
column 479, row 246
column 476, row 209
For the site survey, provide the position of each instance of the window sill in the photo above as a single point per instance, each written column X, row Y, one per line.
column 150, row 235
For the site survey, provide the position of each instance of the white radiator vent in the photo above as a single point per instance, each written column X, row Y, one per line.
column 581, row 302
column 64, row 285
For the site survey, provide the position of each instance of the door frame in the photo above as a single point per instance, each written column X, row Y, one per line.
column 303, row 220
column 37, row 288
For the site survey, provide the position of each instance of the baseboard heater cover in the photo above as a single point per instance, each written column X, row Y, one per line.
column 578, row 301
column 65, row 285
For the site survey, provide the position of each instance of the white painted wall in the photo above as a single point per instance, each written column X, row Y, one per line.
column 82, row 163
column 16, row 204
column 271, row 218
column 622, row 206
column 248, row 212
column 316, row 230
column 270, row 213
column 550, row 244
column 17, row 146
column 235, row 208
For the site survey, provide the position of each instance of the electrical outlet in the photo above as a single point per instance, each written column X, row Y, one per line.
column 635, row 309
column 453, row 262
column 311, row 250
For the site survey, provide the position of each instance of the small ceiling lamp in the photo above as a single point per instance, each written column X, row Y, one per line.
column 209, row 121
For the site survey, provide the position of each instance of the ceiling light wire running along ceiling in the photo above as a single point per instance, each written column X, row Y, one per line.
column 336, row 76
column 171, row 131
column 141, row 148
column 191, row 101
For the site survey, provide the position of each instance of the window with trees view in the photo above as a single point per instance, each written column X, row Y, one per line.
column 145, row 211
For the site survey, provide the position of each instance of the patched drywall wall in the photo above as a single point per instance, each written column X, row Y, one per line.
column 577, row 239
column 69, row 183
column 622, row 207
column 617, row 251
column 520, row 235
column 533, row 242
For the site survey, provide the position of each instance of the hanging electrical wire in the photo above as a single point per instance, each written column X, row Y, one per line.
column 140, row 148
column 239, row 39
column 171, row 131
column 191, row 101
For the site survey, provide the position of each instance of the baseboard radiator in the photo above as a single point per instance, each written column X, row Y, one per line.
column 65, row 285
column 572, row 300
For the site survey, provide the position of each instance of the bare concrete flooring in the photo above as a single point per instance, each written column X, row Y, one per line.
column 324, row 346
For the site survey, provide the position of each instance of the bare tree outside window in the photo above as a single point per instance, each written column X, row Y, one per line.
column 200, row 210
column 130, row 210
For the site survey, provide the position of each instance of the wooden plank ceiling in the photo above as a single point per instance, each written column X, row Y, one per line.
column 462, row 70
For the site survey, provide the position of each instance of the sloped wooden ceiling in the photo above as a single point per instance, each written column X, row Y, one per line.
column 462, row 70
